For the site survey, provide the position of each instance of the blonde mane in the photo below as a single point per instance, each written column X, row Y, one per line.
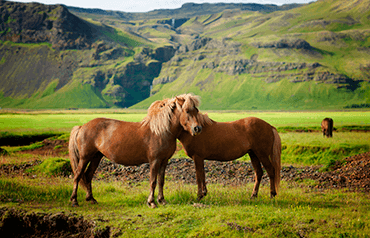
column 191, row 102
column 159, row 116
column 160, row 113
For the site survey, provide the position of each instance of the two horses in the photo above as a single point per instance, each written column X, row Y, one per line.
column 153, row 141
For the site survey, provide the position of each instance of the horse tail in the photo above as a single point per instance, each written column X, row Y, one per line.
column 74, row 154
column 276, row 157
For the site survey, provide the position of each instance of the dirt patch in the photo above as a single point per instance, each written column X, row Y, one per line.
column 19, row 223
column 353, row 173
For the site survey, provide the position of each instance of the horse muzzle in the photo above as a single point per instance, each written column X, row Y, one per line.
column 197, row 130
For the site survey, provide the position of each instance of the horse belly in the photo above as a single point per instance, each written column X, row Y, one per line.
column 129, row 158
column 229, row 150
column 126, row 153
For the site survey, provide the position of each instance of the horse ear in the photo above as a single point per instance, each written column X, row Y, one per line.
column 180, row 102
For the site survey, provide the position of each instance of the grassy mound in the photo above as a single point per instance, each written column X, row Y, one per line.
column 53, row 167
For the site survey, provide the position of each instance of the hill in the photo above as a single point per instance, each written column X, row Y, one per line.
column 187, row 10
column 51, row 58
column 235, row 56
column 311, row 57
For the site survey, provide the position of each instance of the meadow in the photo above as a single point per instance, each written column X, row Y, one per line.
column 299, row 210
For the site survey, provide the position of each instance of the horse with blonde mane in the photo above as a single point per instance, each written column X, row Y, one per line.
column 226, row 141
column 153, row 141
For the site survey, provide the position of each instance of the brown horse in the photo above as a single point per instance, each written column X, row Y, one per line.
column 327, row 127
column 231, row 140
column 151, row 141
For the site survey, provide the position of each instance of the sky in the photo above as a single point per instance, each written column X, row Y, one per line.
column 149, row 5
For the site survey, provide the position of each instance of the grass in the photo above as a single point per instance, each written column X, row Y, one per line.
column 227, row 211
column 52, row 167
column 300, row 209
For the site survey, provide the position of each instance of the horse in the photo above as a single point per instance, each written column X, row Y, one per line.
column 327, row 127
column 153, row 141
column 226, row 141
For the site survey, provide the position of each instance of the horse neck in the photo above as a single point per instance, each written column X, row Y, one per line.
column 175, row 126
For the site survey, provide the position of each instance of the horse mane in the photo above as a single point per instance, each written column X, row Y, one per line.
column 191, row 102
column 204, row 120
column 159, row 116
column 160, row 112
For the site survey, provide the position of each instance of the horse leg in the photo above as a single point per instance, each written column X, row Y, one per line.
column 201, row 177
column 258, row 173
column 161, row 176
column 77, row 176
column 154, row 167
column 89, row 174
column 264, row 159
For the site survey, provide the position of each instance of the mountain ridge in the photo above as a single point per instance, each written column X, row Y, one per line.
column 306, row 57
column 187, row 10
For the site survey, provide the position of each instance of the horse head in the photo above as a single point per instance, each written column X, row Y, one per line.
column 169, row 113
column 189, row 113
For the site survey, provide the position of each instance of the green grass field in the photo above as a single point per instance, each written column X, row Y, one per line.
column 298, row 148
column 227, row 211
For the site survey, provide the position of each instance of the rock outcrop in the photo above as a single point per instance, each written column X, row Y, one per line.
column 223, row 56
column 36, row 23
column 285, row 43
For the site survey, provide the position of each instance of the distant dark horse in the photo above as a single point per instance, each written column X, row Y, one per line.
column 327, row 127
column 225, row 141
column 151, row 141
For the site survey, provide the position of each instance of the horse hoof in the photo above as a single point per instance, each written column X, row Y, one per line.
column 162, row 201
column 254, row 196
column 92, row 200
column 152, row 205
column 199, row 198
column 75, row 204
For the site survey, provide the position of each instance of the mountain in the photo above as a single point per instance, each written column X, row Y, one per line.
column 235, row 56
column 187, row 10
column 312, row 57
column 50, row 58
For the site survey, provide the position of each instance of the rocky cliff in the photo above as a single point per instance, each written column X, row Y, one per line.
column 35, row 23
column 223, row 56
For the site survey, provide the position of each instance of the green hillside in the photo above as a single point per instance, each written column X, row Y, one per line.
column 312, row 57
column 71, row 70
column 221, row 91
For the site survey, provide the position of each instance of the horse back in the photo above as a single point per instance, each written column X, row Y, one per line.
column 229, row 140
column 120, row 141
column 258, row 129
